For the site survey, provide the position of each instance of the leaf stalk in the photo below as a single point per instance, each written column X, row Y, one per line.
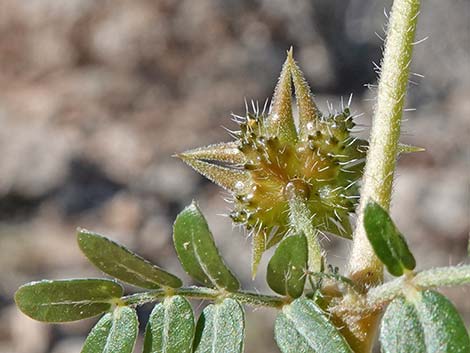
column 436, row 277
column 204, row 293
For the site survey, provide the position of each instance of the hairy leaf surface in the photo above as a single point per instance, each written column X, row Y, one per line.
column 116, row 332
column 221, row 328
column 67, row 300
column 424, row 323
column 198, row 253
column 123, row 264
column 302, row 327
column 171, row 327
column 388, row 243
column 286, row 269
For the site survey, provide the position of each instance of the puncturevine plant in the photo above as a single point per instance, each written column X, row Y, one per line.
column 290, row 184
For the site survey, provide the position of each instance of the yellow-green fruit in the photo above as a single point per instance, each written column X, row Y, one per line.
column 319, row 160
column 325, row 167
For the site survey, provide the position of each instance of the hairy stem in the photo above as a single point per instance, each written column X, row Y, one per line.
column 194, row 292
column 436, row 277
column 301, row 220
column 365, row 268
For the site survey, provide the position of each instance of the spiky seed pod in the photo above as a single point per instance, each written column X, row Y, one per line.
column 321, row 160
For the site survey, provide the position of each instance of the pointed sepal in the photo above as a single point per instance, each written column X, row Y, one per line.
column 259, row 247
column 308, row 111
column 280, row 121
column 220, row 152
column 233, row 180
column 403, row 148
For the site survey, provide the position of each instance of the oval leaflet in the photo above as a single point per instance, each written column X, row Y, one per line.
column 67, row 300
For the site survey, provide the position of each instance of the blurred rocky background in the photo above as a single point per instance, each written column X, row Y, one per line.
column 96, row 96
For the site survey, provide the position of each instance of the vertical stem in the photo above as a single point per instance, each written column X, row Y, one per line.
column 301, row 220
column 365, row 268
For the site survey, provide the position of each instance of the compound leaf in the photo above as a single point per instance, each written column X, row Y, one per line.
column 388, row 243
column 221, row 328
column 286, row 269
column 121, row 263
column 67, row 300
column 198, row 253
column 115, row 332
column 302, row 327
column 171, row 327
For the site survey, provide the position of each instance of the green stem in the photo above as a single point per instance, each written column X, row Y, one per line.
column 436, row 277
column 244, row 297
column 301, row 220
column 365, row 268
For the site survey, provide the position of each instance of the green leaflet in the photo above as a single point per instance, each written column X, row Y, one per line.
column 388, row 243
column 197, row 251
column 425, row 323
column 171, row 327
column 121, row 263
column 67, row 300
column 221, row 328
column 302, row 327
column 401, row 331
column 116, row 332
column 286, row 269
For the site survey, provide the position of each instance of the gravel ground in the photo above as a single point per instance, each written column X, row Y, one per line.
column 96, row 97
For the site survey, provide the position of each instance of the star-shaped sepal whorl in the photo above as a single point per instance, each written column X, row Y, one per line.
column 271, row 156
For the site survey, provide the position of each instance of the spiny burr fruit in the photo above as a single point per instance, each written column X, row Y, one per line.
column 318, row 158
